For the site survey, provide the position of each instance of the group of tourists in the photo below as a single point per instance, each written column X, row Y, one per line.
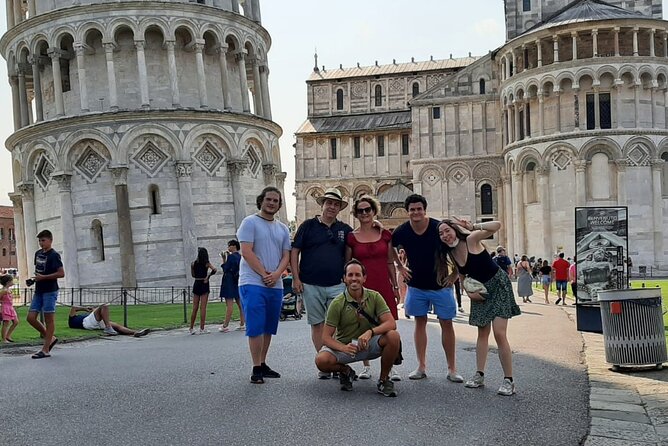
column 351, row 288
column 561, row 272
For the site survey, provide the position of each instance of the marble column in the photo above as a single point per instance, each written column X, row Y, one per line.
column 653, row 102
column 201, row 75
column 594, row 38
column 621, row 181
column 652, row 52
column 29, row 221
column 280, row 185
column 555, row 49
column 32, row 11
column 516, row 117
column 173, row 74
column 578, row 115
column 236, row 167
column 19, row 236
column 508, row 213
column 635, row 41
column 269, row 170
column 16, row 101
column 597, row 110
column 527, row 119
column 636, row 97
column 574, row 37
column 183, row 175
column 557, row 94
column 243, row 81
column 539, row 49
column 257, row 89
column 69, row 234
column 55, row 54
column 23, row 96
column 18, row 14
column 37, row 88
column 541, row 113
column 264, row 88
column 224, row 76
column 580, row 182
column 665, row 44
column 513, row 71
column 518, row 213
column 657, row 211
column 9, row 9
column 619, row 85
column 616, row 32
column 544, row 188
column 257, row 17
column 124, row 218
column 111, row 75
column 143, row 75
column 80, row 49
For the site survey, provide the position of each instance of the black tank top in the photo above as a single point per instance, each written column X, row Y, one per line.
column 200, row 270
column 480, row 267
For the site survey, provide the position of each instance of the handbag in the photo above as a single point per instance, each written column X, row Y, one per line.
column 474, row 286
column 372, row 320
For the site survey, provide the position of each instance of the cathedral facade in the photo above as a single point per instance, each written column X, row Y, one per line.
column 143, row 130
column 570, row 111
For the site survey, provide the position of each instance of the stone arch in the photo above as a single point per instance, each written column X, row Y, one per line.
column 487, row 171
column 553, row 148
column 211, row 28
column 147, row 130
column 518, row 91
column 532, row 83
column 382, row 187
column 527, row 156
column 261, row 139
column 60, row 33
column 208, row 129
column 639, row 151
column 33, row 152
column 565, row 76
column 85, row 28
column 630, row 70
column 119, row 25
column 250, row 45
column 185, row 25
column 605, row 145
column 153, row 23
column 662, row 147
column 646, row 69
column 314, row 192
column 89, row 157
column 454, row 170
column 547, row 80
column 66, row 153
column 582, row 72
column 606, row 69
column 362, row 189
column 36, row 40
column 230, row 35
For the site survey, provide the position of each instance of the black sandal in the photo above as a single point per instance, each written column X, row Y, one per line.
column 55, row 341
column 40, row 354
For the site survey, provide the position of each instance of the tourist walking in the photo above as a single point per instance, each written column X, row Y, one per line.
column 524, row 281
column 265, row 254
column 401, row 259
column 201, row 270
column 489, row 311
column 560, row 272
column 48, row 269
column 546, row 279
column 373, row 248
column 503, row 260
column 229, row 287
column 419, row 237
column 8, row 316
column 317, row 259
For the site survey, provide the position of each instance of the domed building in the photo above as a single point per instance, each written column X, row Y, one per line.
column 142, row 130
column 570, row 111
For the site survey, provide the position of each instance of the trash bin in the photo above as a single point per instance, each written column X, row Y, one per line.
column 633, row 331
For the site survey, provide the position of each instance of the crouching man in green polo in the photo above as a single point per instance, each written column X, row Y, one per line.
column 358, row 326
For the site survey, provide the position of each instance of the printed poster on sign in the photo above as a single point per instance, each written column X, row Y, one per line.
column 601, row 245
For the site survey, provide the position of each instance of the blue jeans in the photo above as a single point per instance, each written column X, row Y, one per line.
column 44, row 302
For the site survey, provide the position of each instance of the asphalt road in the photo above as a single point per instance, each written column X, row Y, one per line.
column 170, row 388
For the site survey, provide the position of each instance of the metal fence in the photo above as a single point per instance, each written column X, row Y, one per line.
column 124, row 297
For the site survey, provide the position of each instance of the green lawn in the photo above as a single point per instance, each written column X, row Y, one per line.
column 139, row 316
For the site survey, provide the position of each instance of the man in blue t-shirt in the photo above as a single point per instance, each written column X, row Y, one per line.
column 317, row 259
column 265, row 253
column 503, row 260
column 419, row 237
column 48, row 269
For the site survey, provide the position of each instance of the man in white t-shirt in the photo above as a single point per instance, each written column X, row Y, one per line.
column 265, row 254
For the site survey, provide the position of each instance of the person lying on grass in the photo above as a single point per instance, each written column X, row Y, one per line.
column 87, row 318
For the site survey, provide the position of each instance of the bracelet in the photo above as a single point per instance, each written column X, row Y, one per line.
column 372, row 333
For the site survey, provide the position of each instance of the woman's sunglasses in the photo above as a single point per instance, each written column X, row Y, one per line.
column 363, row 210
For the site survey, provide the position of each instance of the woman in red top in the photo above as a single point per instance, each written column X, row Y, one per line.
column 373, row 248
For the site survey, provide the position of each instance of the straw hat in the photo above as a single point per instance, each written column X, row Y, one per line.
column 332, row 194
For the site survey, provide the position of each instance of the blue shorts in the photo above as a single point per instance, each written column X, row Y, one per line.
column 562, row 285
column 44, row 302
column 419, row 301
column 262, row 308
column 546, row 280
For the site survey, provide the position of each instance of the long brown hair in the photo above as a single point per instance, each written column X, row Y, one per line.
column 445, row 263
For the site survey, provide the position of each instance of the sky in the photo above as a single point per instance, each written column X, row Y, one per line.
column 344, row 32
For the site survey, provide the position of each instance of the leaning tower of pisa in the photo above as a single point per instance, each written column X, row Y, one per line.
column 143, row 130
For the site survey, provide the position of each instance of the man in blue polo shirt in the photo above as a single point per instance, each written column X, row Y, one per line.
column 317, row 259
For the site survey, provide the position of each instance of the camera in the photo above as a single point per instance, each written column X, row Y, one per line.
column 30, row 282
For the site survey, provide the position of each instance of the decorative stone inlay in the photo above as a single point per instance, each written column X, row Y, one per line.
column 561, row 160
column 459, row 176
column 397, row 86
column 184, row 169
column 485, row 171
column 368, row 138
column 43, row 171
column 359, row 89
column 209, row 158
column 236, row 166
column 150, row 159
column 638, row 156
column 64, row 182
column 90, row 164
column 431, row 177
column 254, row 161
column 320, row 92
column 434, row 79
column 308, row 142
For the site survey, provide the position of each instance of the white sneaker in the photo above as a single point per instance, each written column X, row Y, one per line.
column 110, row 331
column 476, row 381
column 192, row 331
column 366, row 373
column 455, row 377
column 394, row 375
column 417, row 374
column 507, row 388
column 224, row 329
column 241, row 327
column 203, row 331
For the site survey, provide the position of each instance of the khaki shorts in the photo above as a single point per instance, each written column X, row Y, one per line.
column 372, row 352
column 317, row 300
